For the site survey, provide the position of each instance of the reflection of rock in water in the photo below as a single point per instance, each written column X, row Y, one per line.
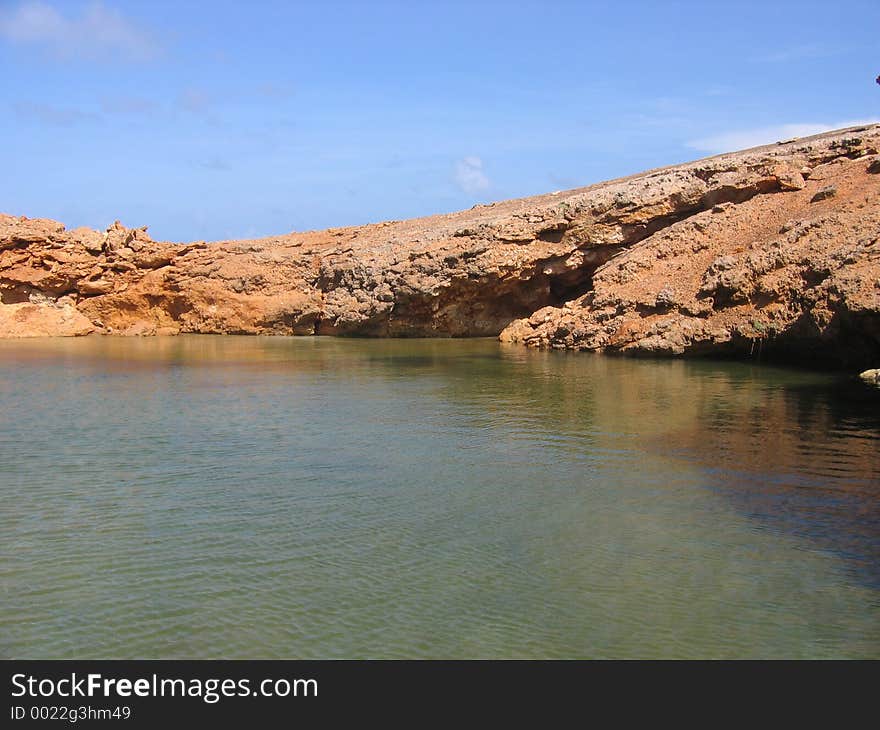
column 803, row 459
column 797, row 452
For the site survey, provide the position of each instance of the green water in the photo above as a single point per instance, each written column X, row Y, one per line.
column 210, row 497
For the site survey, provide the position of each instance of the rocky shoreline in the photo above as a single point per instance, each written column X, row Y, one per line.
column 772, row 250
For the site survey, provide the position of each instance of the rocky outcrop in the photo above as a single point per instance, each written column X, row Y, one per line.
column 795, row 274
column 43, row 320
column 773, row 249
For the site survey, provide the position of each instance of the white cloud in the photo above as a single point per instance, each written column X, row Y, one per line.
column 469, row 175
column 97, row 33
column 745, row 138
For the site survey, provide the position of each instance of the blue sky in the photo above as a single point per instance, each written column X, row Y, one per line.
column 209, row 120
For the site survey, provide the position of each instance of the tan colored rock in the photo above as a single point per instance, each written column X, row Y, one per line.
column 92, row 241
column 90, row 287
column 722, row 254
column 42, row 320
column 788, row 274
column 789, row 179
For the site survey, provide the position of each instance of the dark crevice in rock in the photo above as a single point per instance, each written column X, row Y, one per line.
column 574, row 283
column 736, row 194
column 633, row 234
column 14, row 294
column 552, row 235
column 803, row 342
column 571, row 285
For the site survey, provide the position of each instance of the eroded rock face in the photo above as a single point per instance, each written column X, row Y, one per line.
column 794, row 274
column 773, row 245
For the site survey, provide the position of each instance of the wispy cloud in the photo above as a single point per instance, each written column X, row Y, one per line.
column 129, row 105
column 50, row 114
column 217, row 164
column 275, row 91
column 97, row 33
column 745, row 138
column 719, row 90
column 66, row 116
column 469, row 175
column 800, row 52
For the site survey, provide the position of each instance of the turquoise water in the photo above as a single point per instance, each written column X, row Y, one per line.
column 210, row 497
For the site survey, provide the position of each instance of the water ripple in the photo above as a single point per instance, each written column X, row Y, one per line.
column 274, row 497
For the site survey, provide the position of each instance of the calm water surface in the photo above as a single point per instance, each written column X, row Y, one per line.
column 318, row 498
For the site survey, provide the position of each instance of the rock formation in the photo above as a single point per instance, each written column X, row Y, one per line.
column 772, row 250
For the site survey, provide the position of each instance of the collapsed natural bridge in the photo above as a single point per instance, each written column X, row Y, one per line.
column 774, row 249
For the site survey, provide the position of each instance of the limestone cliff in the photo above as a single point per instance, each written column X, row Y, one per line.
column 773, row 250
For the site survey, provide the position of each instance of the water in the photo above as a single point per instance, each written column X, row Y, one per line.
column 210, row 497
